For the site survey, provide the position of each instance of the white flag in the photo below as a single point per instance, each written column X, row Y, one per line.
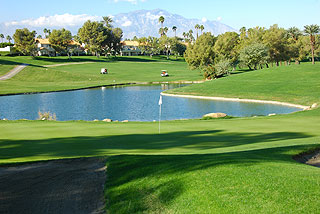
column 160, row 101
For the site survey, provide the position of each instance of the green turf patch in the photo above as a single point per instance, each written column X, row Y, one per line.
column 236, row 165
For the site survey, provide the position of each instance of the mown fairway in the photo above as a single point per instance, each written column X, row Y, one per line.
column 241, row 165
column 39, row 78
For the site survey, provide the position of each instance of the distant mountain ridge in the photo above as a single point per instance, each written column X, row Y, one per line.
column 141, row 23
column 146, row 23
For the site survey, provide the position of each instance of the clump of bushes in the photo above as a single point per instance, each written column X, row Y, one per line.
column 5, row 44
column 46, row 116
column 218, row 70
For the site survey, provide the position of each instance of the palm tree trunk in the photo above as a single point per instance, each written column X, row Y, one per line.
column 312, row 52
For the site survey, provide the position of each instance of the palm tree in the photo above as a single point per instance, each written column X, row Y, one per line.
column 161, row 20
column 45, row 31
column 9, row 38
column 165, row 30
column 107, row 20
column 201, row 28
column 174, row 28
column 191, row 35
column 197, row 27
column 161, row 31
column 294, row 33
column 184, row 34
column 312, row 30
column 2, row 37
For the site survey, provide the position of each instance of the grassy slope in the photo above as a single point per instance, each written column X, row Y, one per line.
column 241, row 165
column 296, row 84
column 5, row 69
column 37, row 78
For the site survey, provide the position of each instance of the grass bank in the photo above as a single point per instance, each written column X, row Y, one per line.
column 297, row 84
column 39, row 78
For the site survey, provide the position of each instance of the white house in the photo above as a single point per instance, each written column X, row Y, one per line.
column 44, row 48
column 130, row 48
column 6, row 49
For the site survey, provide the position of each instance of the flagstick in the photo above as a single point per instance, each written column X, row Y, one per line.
column 160, row 104
column 159, row 119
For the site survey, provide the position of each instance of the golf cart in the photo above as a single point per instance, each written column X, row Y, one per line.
column 104, row 71
column 164, row 73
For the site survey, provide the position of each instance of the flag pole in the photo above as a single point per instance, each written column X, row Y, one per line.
column 160, row 120
column 160, row 104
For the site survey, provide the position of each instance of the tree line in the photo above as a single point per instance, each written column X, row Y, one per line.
column 167, row 45
column 98, row 37
column 255, row 48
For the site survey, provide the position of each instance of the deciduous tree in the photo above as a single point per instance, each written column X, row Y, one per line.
column 226, row 47
column 25, row 41
column 201, row 53
column 276, row 40
column 254, row 55
column 93, row 35
column 60, row 40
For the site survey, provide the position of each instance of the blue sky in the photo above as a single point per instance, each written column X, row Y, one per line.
column 248, row 13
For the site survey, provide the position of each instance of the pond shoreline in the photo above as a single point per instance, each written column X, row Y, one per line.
column 239, row 100
column 109, row 85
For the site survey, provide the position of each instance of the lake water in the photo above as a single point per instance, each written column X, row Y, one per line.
column 133, row 103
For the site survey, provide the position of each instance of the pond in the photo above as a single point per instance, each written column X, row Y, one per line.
column 133, row 103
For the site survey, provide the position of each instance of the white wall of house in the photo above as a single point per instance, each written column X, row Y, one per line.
column 6, row 49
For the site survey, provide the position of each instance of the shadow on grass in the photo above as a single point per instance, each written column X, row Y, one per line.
column 190, row 141
column 8, row 62
column 143, row 180
column 126, row 191
column 132, row 59
column 67, row 60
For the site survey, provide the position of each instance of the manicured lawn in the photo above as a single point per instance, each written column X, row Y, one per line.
column 37, row 78
column 236, row 165
column 241, row 165
column 297, row 84
column 5, row 69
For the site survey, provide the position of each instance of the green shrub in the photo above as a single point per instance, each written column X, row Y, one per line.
column 223, row 67
column 5, row 44
column 219, row 70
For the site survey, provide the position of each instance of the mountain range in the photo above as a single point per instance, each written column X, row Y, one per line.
column 141, row 23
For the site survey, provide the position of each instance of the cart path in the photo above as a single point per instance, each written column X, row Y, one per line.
column 13, row 72
column 60, row 186
column 69, row 63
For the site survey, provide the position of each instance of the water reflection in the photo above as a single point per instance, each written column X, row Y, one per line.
column 134, row 103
